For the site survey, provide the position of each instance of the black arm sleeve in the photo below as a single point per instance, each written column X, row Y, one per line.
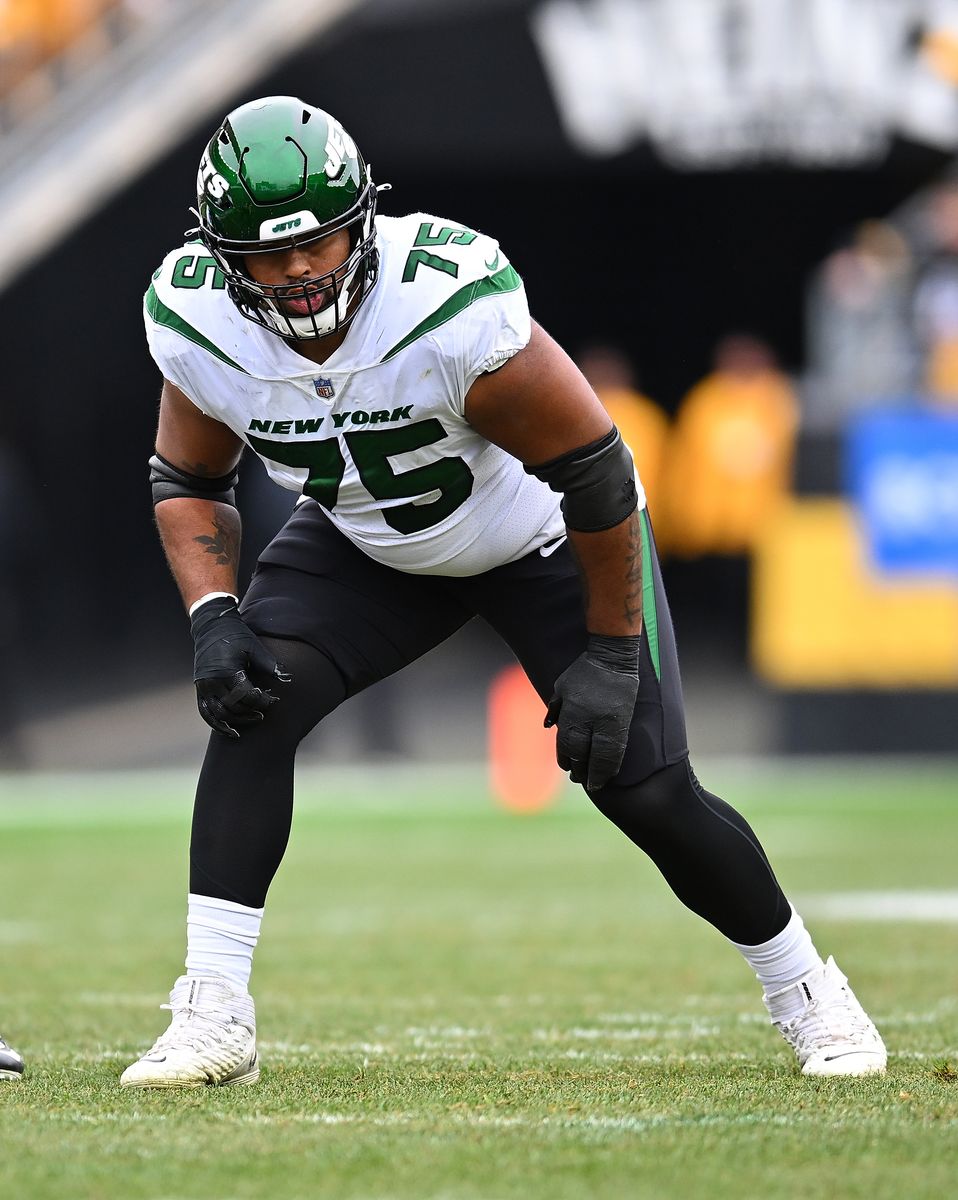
column 597, row 482
column 170, row 483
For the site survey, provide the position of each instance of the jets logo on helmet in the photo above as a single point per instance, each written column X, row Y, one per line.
column 277, row 174
column 209, row 181
column 339, row 147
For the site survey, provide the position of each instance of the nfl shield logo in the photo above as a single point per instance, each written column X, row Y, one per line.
column 324, row 388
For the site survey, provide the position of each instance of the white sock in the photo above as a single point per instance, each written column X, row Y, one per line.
column 220, row 938
column 781, row 961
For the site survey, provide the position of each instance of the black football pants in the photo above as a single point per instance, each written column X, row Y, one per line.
column 339, row 621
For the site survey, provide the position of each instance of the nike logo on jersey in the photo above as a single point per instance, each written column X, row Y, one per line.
column 491, row 266
column 551, row 547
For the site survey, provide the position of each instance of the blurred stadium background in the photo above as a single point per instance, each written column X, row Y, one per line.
column 741, row 216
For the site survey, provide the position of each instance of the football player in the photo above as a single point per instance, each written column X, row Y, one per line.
column 452, row 463
column 11, row 1064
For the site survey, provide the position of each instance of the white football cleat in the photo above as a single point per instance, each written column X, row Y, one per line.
column 211, row 1041
column 11, row 1064
column 833, row 1035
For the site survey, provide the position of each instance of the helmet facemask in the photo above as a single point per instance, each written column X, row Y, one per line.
column 346, row 286
column 280, row 174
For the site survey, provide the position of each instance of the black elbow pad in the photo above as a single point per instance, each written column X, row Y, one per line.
column 597, row 482
column 170, row 483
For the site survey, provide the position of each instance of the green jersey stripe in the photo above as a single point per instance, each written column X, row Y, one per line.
column 506, row 280
column 650, row 620
column 166, row 316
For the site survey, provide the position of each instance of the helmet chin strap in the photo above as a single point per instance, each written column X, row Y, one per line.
column 318, row 324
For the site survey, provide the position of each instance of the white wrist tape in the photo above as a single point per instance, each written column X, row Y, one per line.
column 211, row 596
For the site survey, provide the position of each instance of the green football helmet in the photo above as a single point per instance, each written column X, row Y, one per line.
column 279, row 173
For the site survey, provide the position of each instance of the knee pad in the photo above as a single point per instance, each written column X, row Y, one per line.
column 652, row 804
column 316, row 688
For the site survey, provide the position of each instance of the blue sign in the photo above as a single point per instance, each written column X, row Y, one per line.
column 902, row 476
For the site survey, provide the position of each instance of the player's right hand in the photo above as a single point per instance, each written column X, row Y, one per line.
column 225, row 650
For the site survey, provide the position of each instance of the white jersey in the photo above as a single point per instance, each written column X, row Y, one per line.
column 377, row 433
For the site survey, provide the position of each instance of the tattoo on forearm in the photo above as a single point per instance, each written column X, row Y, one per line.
column 633, row 572
column 225, row 545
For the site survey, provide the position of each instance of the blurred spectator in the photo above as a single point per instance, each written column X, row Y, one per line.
column 40, row 28
column 642, row 423
column 36, row 32
column 936, row 294
column 860, row 347
column 20, row 40
column 730, row 456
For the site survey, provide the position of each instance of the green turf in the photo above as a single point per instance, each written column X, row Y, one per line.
column 457, row 1002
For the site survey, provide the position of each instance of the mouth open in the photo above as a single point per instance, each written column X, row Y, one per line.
column 305, row 304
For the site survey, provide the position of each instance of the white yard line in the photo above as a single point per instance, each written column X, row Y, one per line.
column 899, row 905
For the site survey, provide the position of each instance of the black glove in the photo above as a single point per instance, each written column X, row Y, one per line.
column 592, row 704
column 225, row 649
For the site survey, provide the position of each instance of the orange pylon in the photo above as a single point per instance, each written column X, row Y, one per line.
column 524, row 775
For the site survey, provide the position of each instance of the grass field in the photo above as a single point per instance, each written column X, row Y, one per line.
column 458, row 1002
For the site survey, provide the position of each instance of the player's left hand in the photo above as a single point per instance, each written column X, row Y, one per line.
column 592, row 706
